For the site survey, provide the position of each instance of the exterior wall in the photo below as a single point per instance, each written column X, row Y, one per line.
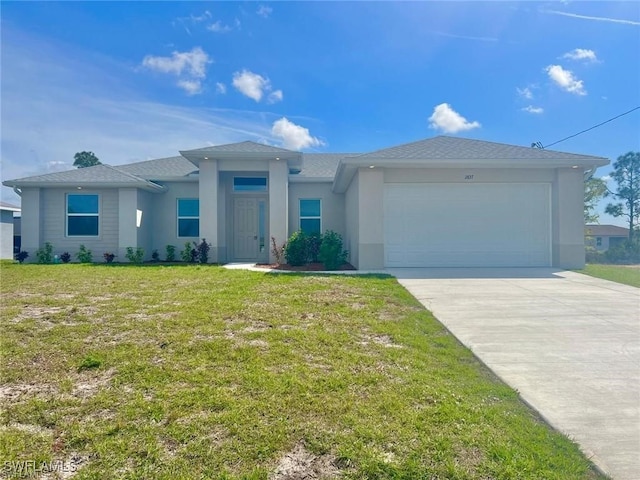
column 454, row 175
column 371, row 219
column 31, row 221
column 164, row 216
column 278, row 202
column 144, row 224
column 333, row 204
column 607, row 241
column 352, row 204
column 208, row 194
column 6, row 234
column 53, row 213
column 568, row 219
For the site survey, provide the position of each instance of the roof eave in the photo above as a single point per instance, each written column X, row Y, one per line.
column 149, row 186
column 298, row 179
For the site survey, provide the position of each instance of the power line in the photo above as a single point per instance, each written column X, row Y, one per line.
column 539, row 145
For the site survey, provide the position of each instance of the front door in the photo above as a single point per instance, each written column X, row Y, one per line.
column 245, row 234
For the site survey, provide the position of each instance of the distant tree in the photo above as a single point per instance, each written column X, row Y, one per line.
column 626, row 173
column 85, row 159
column 594, row 190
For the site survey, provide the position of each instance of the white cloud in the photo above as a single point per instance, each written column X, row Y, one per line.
column 255, row 86
column 532, row 109
column 192, row 87
column 264, row 11
column 598, row 19
column 525, row 92
column 446, row 119
column 275, row 96
column 218, row 27
column 581, row 54
column 193, row 63
column 190, row 66
column 606, row 178
column 221, row 88
column 565, row 80
column 294, row 137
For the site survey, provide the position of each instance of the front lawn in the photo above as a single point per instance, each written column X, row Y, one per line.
column 180, row 372
column 627, row 274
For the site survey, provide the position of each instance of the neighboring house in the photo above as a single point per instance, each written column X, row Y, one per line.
column 603, row 237
column 6, row 229
column 438, row 202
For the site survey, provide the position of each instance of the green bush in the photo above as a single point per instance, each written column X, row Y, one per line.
column 171, row 253
column 84, row 255
column 297, row 249
column 314, row 241
column 331, row 253
column 65, row 257
column 625, row 253
column 135, row 256
column 21, row 256
column 188, row 254
column 45, row 254
column 202, row 251
column 108, row 257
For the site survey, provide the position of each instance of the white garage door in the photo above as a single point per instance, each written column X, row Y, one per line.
column 467, row 225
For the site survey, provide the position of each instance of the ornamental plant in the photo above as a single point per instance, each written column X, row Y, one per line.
column 331, row 253
column 297, row 249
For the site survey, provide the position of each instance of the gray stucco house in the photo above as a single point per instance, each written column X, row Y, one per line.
column 7, row 230
column 438, row 202
column 603, row 237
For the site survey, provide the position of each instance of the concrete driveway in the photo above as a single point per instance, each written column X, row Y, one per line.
column 569, row 343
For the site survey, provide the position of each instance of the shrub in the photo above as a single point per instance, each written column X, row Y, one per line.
column 331, row 253
column 314, row 241
column 22, row 256
column 594, row 256
column 188, row 254
column 45, row 254
column 108, row 257
column 65, row 257
column 135, row 256
column 202, row 251
column 155, row 256
column 171, row 253
column 626, row 252
column 296, row 251
column 84, row 255
column 278, row 252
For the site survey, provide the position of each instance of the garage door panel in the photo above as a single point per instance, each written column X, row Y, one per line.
column 467, row 224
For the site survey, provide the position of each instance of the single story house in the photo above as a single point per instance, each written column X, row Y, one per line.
column 439, row 202
column 603, row 237
column 7, row 232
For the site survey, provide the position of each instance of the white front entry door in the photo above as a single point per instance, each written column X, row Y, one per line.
column 245, row 225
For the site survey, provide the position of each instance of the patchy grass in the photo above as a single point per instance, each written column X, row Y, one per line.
column 172, row 372
column 627, row 274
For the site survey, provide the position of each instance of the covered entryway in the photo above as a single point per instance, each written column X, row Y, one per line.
column 467, row 224
column 249, row 229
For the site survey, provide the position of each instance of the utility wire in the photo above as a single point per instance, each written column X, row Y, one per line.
column 539, row 145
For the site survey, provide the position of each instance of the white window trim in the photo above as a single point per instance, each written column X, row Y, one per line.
column 314, row 217
column 249, row 192
column 67, row 215
column 185, row 217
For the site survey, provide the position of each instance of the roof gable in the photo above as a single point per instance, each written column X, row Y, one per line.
column 240, row 147
column 160, row 168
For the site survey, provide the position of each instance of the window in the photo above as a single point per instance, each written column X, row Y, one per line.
column 249, row 184
column 83, row 216
column 310, row 215
column 599, row 241
column 188, row 217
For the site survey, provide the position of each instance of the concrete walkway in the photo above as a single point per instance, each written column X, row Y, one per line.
column 569, row 343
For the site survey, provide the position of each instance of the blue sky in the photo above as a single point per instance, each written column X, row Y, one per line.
column 132, row 81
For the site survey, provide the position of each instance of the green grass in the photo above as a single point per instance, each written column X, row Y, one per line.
column 627, row 274
column 171, row 372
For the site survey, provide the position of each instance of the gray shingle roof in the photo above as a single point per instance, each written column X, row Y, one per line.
column 606, row 231
column 445, row 148
column 9, row 206
column 321, row 165
column 160, row 168
column 98, row 174
column 240, row 147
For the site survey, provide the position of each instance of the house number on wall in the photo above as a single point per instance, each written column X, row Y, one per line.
column 468, row 177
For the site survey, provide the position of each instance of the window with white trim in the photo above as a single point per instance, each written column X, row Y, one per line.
column 249, row 184
column 83, row 215
column 188, row 217
column 311, row 215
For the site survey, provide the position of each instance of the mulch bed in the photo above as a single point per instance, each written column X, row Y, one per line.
column 309, row 267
